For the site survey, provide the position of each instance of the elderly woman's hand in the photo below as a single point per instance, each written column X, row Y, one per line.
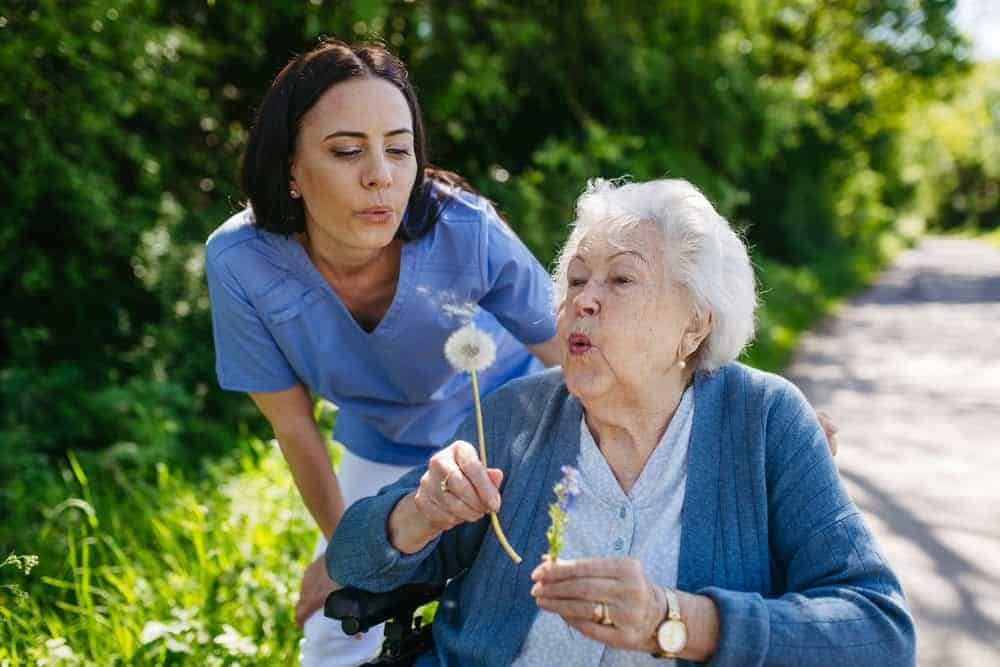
column 576, row 589
column 456, row 488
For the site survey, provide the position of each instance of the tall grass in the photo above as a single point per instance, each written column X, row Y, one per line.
column 165, row 571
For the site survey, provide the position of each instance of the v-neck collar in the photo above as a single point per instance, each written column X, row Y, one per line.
column 389, row 323
column 644, row 490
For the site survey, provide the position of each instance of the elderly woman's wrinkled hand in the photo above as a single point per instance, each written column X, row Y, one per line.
column 607, row 599
column 457, row 488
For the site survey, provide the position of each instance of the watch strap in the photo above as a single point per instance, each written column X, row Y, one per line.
column 673, row 613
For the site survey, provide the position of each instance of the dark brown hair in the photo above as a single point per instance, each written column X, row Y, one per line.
column 265, row 173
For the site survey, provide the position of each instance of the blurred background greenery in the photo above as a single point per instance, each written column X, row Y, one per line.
column 830, row 131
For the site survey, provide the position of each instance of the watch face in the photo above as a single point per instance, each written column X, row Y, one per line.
column 672, row 636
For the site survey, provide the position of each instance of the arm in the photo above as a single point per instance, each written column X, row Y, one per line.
column 549, row 352
column 842, row 604
column 290, row 414
column 431, row 524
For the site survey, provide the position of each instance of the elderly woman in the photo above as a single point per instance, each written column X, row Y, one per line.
column 710, row 525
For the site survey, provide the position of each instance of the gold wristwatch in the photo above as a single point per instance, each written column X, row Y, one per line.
column 671, row 634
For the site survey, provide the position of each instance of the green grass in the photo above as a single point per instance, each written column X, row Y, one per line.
column 166, row 571
column 163, row 567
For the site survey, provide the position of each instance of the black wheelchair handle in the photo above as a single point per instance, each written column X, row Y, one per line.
column 359, row 610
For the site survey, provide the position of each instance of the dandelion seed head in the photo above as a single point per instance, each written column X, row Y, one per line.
column 470, row 349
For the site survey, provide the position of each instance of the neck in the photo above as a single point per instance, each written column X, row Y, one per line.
column 628, row 425
column 341, row 261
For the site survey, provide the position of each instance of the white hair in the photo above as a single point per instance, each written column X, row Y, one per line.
column 701, row 253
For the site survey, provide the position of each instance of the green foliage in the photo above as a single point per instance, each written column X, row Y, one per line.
column 167, row 570
column 952, row 153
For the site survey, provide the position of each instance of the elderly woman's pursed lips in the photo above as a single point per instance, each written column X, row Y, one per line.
column 579, row 343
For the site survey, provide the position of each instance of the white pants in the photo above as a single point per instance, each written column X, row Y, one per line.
column 324, row 643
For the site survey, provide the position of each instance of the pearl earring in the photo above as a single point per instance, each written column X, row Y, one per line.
column 682, row 364
column 294, row 194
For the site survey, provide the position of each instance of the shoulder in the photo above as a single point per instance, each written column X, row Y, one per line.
column 738, row 385
column 458, row 239
column 236, row 231
column 458, row 206
column 530, row 396
column 240, row 252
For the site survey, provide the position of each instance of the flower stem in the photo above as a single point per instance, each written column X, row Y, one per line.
column 482, row 455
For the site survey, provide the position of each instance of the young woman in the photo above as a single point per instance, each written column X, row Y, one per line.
column 353, row 264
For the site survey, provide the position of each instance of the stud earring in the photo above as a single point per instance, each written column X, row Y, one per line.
column 294, row 194
column 682, row 364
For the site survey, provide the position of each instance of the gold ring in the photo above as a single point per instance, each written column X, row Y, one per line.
column 605, row 614
column 444, row 484
column 598, row 614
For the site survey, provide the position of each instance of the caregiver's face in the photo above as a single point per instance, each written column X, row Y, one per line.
column 622, row 319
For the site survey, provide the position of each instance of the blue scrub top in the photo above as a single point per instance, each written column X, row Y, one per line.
column 278, row 323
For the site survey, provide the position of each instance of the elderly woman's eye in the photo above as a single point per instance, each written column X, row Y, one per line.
column 576, row 282
column 622, row 280
column 347, row 152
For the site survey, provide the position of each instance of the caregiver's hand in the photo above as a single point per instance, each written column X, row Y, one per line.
column 316, row 586
column 456, row 488
column 829, row 429
column 575, row 589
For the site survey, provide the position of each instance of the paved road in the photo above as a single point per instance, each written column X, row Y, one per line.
column 910, row 371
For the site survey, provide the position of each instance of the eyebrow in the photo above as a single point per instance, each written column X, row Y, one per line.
column 617, row 254
column 362, row 135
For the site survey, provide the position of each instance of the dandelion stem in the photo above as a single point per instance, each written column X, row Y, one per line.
column 482, row 455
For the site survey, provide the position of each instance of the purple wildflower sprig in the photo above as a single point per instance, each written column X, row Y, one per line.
column 565, row 490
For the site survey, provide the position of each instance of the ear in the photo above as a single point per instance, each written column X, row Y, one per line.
column 698, row 328
column 293, row 172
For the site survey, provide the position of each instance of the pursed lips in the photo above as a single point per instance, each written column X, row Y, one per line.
column 376, row 213
column 579, row 343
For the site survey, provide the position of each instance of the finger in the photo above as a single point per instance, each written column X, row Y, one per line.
column 832, row 441
column 496, row 476
column 458, row 495
column 575, row 568
column 826, row 422
column 586, row 590
column 430, row 504
column 606, row 634
column 300, row 618
column 445, row 487
column 454, row 500
column 304, row 609
column 475, row 472
column 577, row 610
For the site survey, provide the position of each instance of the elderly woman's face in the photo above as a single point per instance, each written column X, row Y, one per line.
column 622, row 319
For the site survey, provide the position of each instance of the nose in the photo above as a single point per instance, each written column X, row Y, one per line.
column 587, row 301
column 377, row 175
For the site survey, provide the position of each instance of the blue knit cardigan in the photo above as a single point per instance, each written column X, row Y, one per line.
column 768, row 532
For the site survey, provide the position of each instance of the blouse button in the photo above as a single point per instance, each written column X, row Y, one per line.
column 619, row 543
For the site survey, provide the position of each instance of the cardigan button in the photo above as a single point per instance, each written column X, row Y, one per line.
column 619, row 543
